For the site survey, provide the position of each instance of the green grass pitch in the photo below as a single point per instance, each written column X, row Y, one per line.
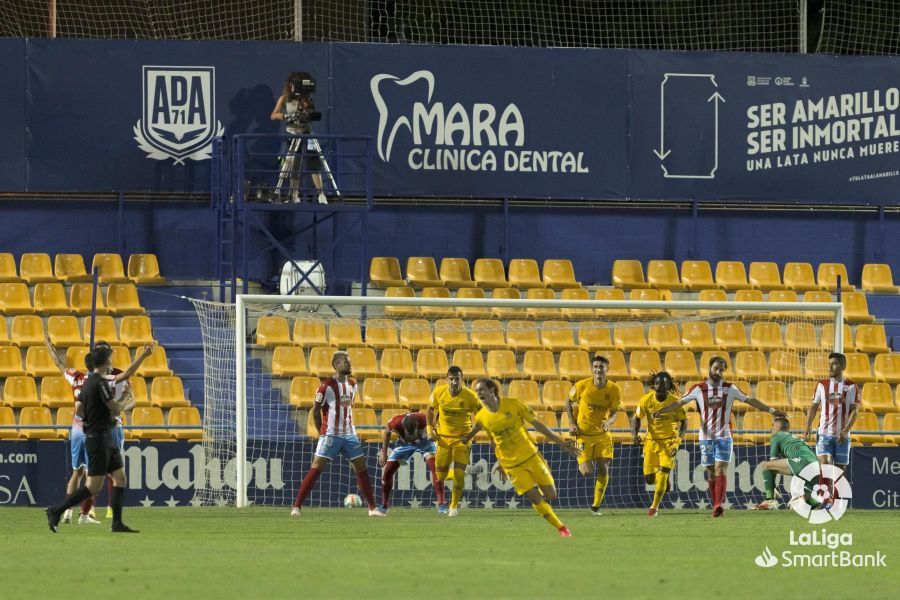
column 342, row 553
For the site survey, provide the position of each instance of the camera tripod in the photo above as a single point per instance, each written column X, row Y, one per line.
column 291, row 168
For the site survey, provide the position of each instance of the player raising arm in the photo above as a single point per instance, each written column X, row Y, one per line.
column 505, row 420
column 410, row 429
column 787, row 456
column 664, row 434
column 839, row 400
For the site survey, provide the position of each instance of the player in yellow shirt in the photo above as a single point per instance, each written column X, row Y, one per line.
column 505, row 420
column 592, row 406
column 664, row 434
column 450, row 410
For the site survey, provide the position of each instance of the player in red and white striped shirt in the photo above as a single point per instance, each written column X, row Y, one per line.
column 715, row 398
column 839, row 399
column 333, row 415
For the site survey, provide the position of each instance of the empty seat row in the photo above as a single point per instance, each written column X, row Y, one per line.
column 421, row 272
column 856, row 308
column 39, row 363
column 55, row 392
column 50, row 299
column 64, row 331
column 40, row 416
column 35, row 268
column 731, row 275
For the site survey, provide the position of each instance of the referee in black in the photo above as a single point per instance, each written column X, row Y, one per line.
column 104, row 457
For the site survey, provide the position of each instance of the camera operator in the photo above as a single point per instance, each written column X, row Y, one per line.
column 295, row 106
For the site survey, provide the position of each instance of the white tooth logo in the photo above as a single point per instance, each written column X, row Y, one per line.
column 766, row 559
column 384, row 147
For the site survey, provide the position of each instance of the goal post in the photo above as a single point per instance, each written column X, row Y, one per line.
column 248, row 422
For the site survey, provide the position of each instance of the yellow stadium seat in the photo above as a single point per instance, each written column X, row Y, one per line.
column 432, row 363
column 759, row 422
column 876, row 397
column 470, row 361
column 450, row 334
column 366, row 422
column 8, row 269
column 65, row 414
column 50, row 299
column 149, row 416
column 136, row 331
column 731, row 336
column 802, row 392
column 143, row 269
column 697, row 275
column 80, row 299
column 272, row 331
column 378, row 393
column 489, row 273
column 526, row 391
column 400, row 311
column 363, row 362
column 870, row 338
column 487, row 334
column 617, row 367
column 611, row 294
column 110, row 268
column 27, row 330
column 826, row 340
column 524, row 273
column 697, row 336
column 307, row 333
column 380, row 334
column 766, row 336
column 594, row 336
column 708, row 355
column 139, row 391
column 651, row 295
column 817, row 296
column 416, row 333
column 384, row 272
column 765, row 276
column 681, row 365
column 629, row 337
column 644, row 362
column 800, row 336
column 859, row 369
column 20, row 391
column 472, row 312
column 15, row 299
column 749, row 296
column 774, row 393
column 663, row 275
column 501, row 364
column 320, row 361
column 38, row 362
column 422, row 272
column 866, row 421
column 437, row 311
column 576, row 294
column 628, row 274
column 414, row 393
column 828, row 273
column 751, row 365
column 345, row 333
column 506, row 294
column 731, row 275
column 887, row 368
column 522, row 335
column 63, row 331
column 548, row 418
column 288, row 361
column 555, row 393
column 38, row 416
column 816, row 365
column 57, row 393
column 712, row 296
column 856, row 309
column 630, row 394
column 70, row 268
column 303, row 391
column 879, row 279
column 122, row 299
column 541, row 294
column 539, row 365
column 621, row 428
column 891, row 423
column 574, row 365
column 8, row 419
column 182, row 416
column 167, row 391
column 104, row 329
column 798, row 276
column 4, row 334
column 557, row 336
column 155, row 365
column 559, row 274
column 663, row 337
column 455, row 273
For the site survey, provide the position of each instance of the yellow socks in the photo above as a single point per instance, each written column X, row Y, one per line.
column 546, row 511
column 600, row 489
column 459, row 483
column 662, row 480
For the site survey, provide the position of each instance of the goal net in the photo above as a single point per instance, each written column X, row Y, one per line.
column 264, row 358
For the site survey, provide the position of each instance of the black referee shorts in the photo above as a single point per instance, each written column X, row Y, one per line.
column 104, row 456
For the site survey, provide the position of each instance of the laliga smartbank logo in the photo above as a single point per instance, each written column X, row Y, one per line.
column 451, row 136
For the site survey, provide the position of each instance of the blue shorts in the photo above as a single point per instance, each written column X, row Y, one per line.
column 119, row 435
column 79, row 452
column 713, row 451
column 330, row 446
column 828, row 445
column 402, row 453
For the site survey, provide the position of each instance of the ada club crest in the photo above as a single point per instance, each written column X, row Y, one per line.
column 178, row 118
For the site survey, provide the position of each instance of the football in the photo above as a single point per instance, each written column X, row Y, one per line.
column 352, row 501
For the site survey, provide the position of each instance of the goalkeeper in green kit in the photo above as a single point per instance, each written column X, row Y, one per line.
column 788, row 456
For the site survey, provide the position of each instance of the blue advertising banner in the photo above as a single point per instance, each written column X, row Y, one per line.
column 167, row 474
column 13, row 118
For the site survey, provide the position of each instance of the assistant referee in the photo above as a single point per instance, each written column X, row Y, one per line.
column 104, row 456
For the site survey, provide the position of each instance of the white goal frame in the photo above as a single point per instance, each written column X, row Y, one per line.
column 240, row 328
